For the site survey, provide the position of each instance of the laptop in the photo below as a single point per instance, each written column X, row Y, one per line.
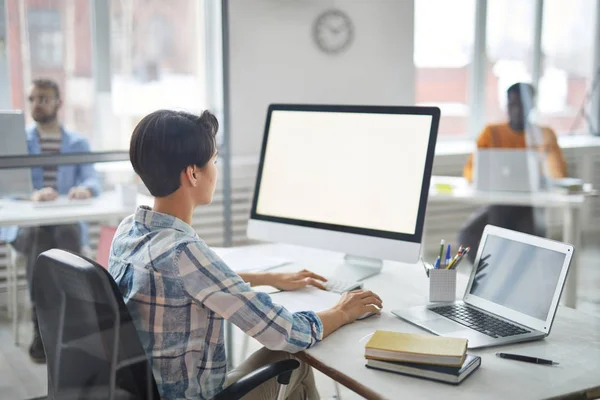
column 16, row 182
column 512, row 295
column 514, row 170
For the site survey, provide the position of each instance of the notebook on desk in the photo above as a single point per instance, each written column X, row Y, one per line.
column 421, row 355
column 452, row 375
column 416, row 348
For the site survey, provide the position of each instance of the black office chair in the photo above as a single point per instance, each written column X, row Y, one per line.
column 92, row 348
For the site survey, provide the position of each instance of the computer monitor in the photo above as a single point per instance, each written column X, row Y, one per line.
column 13, row 142
column 353, row 179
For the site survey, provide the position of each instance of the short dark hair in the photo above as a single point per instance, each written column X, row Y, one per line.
column 519, row 87
column 166, row 142
column 45, row 83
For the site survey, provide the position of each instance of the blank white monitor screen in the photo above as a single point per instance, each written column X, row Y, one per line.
column 361, row 170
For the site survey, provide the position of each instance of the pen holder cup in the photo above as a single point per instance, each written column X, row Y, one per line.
column 442, row 285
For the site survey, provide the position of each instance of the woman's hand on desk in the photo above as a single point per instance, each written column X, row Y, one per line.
column 284, row 280
column 351, row 306
column 297, row 280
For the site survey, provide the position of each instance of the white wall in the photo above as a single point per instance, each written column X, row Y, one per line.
column 273, row 59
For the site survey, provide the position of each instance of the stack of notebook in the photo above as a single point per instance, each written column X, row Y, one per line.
column 424, row 356
column 567, row 185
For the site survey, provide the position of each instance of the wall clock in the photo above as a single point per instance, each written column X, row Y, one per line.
column 333, row 31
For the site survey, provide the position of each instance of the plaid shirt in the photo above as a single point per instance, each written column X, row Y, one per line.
column 179, row 291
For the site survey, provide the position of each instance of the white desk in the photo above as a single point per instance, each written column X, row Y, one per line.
column 570, row 204
column 574, row 342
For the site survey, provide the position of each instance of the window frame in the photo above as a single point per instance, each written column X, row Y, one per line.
column 477, row 76
column 477, row 79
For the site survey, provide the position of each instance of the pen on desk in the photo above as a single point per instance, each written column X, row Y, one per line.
column 466, row 251
column 448, row 255
column 459, row 259
column 456, row 257
column 534, row 360
column 442, row 245
column 455, row 263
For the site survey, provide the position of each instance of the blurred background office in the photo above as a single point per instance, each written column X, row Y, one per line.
column 117, row 60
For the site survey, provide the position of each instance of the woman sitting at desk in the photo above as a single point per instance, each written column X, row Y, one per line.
column 179, row 292
column 518, row 133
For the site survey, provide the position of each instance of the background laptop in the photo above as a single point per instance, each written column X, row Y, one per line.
column 516, row 170
column 512, row 295
column 13, row 142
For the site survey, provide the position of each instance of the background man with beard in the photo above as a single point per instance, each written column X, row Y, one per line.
column 48, row 136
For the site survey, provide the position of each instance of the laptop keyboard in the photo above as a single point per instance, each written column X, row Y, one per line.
column 479, row 321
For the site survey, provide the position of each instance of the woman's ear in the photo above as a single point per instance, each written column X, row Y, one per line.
column 191, row 175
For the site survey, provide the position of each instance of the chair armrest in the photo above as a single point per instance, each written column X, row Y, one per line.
column 282, row 369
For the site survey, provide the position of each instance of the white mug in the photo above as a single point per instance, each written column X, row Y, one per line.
column 128, row 194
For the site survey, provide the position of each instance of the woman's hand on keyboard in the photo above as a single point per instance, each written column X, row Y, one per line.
column 297, row 280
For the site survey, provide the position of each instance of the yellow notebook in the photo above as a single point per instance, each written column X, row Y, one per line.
column 416, row 348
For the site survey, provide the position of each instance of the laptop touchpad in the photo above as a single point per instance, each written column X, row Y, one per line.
column 442, row 325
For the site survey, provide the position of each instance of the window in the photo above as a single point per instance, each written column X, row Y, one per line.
column 45, row 37
column 567, row 60
column 158, row 61
column 47, row 46
column 510, row 35
column 444, row 36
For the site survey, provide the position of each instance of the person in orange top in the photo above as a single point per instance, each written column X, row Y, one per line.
column 517, row 133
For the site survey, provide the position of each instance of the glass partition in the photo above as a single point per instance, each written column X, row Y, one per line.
column 157, row 60
column 443, row 65
column 62, row 179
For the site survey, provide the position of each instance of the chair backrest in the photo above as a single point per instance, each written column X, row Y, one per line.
column 107, row 233
column 92, row 347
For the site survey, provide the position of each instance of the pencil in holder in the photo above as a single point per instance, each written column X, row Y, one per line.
column 442, row 284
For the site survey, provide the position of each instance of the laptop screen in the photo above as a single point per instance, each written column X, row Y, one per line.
column 517, row 275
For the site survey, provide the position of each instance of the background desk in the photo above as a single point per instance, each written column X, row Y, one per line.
column 570, row 205
column 106, row 207
column 574, row 342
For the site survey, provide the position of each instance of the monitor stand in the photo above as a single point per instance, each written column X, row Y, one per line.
column 356, row 269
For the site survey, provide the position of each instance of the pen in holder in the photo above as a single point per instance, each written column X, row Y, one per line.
column 442, row 284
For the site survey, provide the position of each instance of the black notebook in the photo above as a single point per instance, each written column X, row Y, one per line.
column 453, row 375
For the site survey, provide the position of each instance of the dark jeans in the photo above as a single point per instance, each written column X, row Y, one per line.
column 517, row 218
column 32, row 241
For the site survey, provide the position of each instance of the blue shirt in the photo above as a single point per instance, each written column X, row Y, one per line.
column 68, row 176
column 179, row 292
